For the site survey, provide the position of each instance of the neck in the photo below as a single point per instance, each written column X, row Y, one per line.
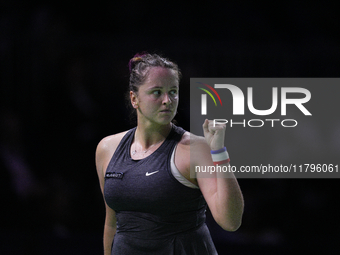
column 147, row 135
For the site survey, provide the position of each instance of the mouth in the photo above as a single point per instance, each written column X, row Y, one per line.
column 166, row 110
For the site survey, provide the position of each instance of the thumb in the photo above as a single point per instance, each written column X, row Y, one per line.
column 206, row 126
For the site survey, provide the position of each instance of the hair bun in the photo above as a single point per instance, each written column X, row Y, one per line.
column 137, row 58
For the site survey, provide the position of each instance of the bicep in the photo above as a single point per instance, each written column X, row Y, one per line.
column 102, row 158
column 104, row 152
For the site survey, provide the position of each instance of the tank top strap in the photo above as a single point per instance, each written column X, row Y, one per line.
column 171, row 141
column 122, row 150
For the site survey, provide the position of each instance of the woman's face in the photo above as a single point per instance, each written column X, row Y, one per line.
column 157, row 99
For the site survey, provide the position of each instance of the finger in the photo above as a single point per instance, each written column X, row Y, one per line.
column 217, row 124
column 215, row 127
column 206, row 126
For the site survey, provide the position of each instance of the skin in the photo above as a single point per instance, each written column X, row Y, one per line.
column 156, row 103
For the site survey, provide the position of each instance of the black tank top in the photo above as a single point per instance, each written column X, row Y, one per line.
column 156, row 214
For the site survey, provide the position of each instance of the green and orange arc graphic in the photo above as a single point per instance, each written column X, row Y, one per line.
column 209, row 93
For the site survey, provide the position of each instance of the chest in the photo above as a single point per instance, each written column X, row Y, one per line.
column 148, row 187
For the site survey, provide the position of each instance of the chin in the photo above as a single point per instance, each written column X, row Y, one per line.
column 165, row 121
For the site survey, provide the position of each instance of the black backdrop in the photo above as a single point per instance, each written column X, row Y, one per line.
column 63, row 77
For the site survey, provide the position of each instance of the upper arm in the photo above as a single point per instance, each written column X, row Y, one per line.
column 102, row 158
column 104, row 153
column 197, row 150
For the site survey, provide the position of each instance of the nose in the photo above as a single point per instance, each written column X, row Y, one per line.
column 166, row 99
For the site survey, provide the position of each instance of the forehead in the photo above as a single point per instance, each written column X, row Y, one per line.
column 162, row 75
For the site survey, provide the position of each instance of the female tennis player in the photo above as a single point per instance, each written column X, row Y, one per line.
column 153, row 204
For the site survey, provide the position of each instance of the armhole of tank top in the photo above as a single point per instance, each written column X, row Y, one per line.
column 118, row 148
column 176, row 173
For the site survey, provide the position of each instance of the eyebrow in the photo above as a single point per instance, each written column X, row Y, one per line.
column 160, row 87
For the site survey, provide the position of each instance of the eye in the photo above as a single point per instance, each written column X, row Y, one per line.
column 156, row 92
column 173, row 92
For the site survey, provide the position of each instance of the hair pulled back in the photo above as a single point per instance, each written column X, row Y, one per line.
column 140, row 65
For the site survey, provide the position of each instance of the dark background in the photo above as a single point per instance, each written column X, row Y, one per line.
column 63, row 77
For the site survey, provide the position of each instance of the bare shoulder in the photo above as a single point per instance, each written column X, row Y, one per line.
column 195, row 148
column 190, row 151
column 192, row 146
column 189, row 139
column 110, row 143
column 105, row 150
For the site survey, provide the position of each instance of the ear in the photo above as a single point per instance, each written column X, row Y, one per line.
column 134, row 99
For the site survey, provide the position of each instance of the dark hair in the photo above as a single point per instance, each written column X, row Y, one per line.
column 139, row 67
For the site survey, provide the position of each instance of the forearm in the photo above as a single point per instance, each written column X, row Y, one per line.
column 229, row 202
column 109, row 233
column 222, row 191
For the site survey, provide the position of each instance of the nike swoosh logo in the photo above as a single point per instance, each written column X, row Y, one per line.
column 148, row 174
